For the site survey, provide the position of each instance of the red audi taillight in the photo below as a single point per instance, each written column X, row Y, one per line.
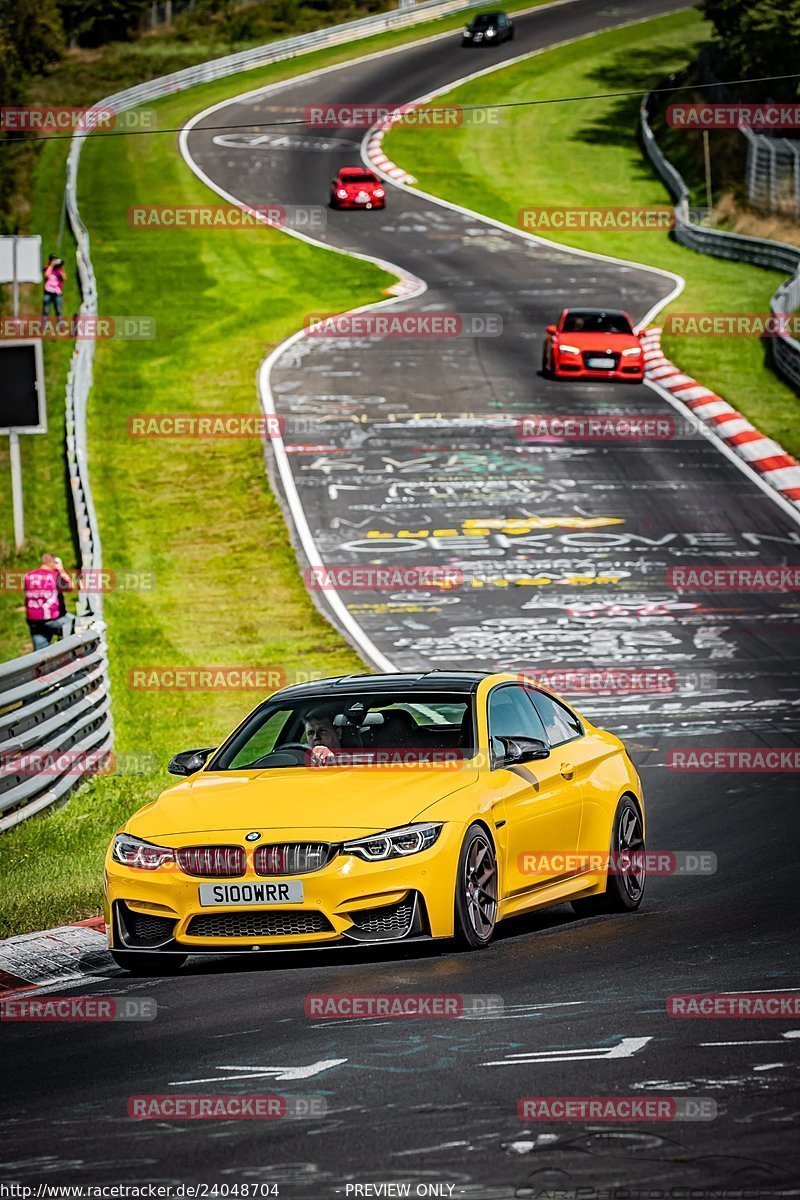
column 212, row 860
column 293, row 858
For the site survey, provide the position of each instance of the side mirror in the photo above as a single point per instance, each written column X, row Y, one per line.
column 518, row 750
column 189, row 761
column 551, row 330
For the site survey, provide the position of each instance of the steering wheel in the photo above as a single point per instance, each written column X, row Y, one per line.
column 295, row 752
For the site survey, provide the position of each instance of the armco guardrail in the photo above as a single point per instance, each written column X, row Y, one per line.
column 778, row 256
column 55, row 724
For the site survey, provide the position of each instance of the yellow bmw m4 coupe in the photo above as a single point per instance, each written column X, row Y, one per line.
column 378, row 808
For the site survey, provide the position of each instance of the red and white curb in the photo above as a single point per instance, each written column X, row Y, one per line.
column 63, row 955
column 773, row 464
column 376, row 156
column 406, row 285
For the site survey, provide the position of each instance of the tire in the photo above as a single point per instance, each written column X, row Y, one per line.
column 624, row 890
column 476, row 891
column 546, row 372
column 148, row 964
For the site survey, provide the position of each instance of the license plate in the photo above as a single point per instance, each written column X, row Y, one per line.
column 216, row 895
column 600, row 364
column 362, row 198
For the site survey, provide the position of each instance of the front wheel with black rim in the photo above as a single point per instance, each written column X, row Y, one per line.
column 626, row 876
column 476, row 890
column 148, row 964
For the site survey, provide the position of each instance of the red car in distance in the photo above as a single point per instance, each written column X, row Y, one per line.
column 593, row 343
column 356, row 187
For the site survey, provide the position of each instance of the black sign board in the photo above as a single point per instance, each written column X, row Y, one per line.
column 22, row 399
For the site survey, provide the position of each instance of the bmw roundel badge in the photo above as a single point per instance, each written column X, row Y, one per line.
column 252, row 837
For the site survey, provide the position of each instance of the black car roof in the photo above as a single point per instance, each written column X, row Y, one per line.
column 423, row 681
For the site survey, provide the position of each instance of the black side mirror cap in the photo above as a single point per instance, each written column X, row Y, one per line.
column 518, row 750
column 189, row 761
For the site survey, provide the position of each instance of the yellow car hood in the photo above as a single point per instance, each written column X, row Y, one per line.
column 336, row 802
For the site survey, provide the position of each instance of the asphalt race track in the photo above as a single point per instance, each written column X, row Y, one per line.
column 436, row 474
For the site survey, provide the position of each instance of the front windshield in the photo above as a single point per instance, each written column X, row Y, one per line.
column 387, row 727
column 596, row 322
column 484, row 22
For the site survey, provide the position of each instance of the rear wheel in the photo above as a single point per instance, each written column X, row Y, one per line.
column 148, row 964
column 476, row 891
column 625, row 886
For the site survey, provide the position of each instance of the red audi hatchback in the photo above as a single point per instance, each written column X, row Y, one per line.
column 593, row 343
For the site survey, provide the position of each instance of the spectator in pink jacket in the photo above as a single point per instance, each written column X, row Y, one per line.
column 45, row 607
column 54, row 279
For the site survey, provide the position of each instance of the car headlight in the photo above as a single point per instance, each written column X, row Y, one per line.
column 395, row 843
column 342, row 194
column 378, row 193
column 490, row 33
column 631, row 350
column 565, row 349
column 145, row 856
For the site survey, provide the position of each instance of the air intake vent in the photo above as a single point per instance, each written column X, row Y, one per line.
column 257, row 924
column 212, row 861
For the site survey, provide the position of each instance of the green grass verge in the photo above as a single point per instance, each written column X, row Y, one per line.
column 199, row 515
column 585, row 153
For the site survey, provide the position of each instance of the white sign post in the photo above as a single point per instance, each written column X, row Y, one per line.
column 21, row 262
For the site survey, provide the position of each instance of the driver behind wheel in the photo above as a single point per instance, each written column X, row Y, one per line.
column 322, row 737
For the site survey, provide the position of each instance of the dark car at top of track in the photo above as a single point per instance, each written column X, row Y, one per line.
column 488, row 29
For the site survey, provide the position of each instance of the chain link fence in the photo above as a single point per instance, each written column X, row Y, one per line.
column 761, row 252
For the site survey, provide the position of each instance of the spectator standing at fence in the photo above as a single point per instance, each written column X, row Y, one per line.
column 54, row 279
column 45, row 607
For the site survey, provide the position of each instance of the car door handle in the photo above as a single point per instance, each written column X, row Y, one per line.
column 567, row 770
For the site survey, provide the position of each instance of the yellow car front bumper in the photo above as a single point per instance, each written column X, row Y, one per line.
column 348, row 900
